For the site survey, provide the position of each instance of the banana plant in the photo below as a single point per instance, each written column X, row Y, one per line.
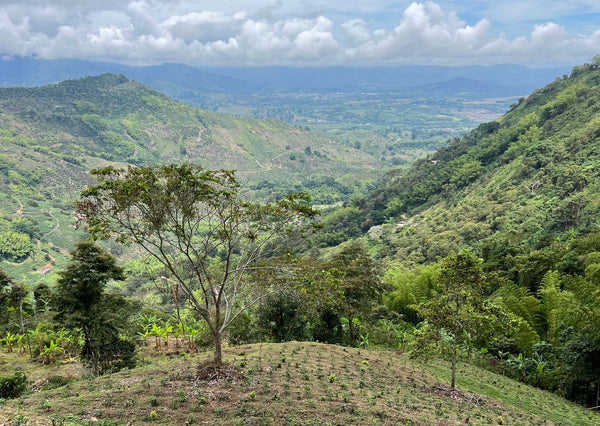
column 179, row 332
column 145, row 335
column 165, row 332
column 156, row 331
column 145, row 322
column 66, row 340
column 22, row 342
column 10, row 340
column 192, row 331
column 364, row 341
column 50, row 353
column 404, row 336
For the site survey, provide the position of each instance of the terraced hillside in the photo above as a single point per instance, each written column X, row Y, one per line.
column 51, row 136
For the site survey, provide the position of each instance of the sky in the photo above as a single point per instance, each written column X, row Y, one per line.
column 536, row 33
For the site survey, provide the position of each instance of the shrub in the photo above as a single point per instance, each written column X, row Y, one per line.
column 54, row 382
column 13, row 386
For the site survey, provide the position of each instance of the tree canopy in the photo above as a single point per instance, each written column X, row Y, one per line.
column 81, row 303
column 194, row 222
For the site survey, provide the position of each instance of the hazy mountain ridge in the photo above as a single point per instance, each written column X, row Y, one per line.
column 171, row 78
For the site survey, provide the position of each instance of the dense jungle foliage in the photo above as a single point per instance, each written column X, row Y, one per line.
column 522, row 193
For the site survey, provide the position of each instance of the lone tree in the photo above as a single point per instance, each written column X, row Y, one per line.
column 81, row 303
column 194, row 222
column 458, row 306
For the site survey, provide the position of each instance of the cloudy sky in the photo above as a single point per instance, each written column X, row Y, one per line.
column 304, row 32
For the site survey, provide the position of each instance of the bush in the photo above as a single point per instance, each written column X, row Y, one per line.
column 54, row 382
column 13, row 386
column 279, row 317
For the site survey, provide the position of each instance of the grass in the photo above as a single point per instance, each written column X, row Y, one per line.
column 294, row 383
column 518, row 395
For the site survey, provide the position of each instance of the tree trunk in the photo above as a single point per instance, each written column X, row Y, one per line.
column 29, row 345
column 455, row 341
column 217, row 331
column 218, row 360
column 453, row 363
column 22, row 322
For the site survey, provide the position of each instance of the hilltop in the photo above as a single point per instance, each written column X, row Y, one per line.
column 299, row 383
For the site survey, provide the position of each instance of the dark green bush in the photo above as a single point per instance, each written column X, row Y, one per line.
column 13, row 386
column 54, row 382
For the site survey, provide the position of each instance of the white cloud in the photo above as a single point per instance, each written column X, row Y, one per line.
column 204, row 26
column 264, row 33
column 356, row 31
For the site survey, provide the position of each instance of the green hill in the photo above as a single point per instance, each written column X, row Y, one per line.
column 111, row 118
column 516, row 183
column 521, row 193
column 294, row 383
column 51, row 136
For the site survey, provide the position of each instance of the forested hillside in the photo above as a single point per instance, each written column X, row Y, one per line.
column 522, row 194
column 52, row 136
column 486, row 252
column 515, row 183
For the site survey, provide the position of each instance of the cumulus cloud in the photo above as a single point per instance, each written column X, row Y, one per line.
column 200, row 33
column 205, row 26
column 356, row 31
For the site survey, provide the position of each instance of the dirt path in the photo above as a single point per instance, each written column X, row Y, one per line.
column 56, row 227
column 39, row 246
column 234, row 147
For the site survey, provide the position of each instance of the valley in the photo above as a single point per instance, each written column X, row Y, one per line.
column 417, row 213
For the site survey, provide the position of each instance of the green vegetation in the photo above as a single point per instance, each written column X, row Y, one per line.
column 82, row 306
column 485, row 254
column 457, row 308
column 521, row 193
column 195, row 224
column 258, row 387
column 532, row 174
column 52, row 136
column 14, row 386
column 398, row 127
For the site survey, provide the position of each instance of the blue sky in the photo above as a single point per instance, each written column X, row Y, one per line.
column 304, row 33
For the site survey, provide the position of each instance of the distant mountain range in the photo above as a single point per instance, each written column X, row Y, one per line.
column 188, row 83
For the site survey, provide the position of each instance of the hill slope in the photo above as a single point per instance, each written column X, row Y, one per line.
column 521, row 181
column 295, row 383
column 116, row 119
column 51, row 136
